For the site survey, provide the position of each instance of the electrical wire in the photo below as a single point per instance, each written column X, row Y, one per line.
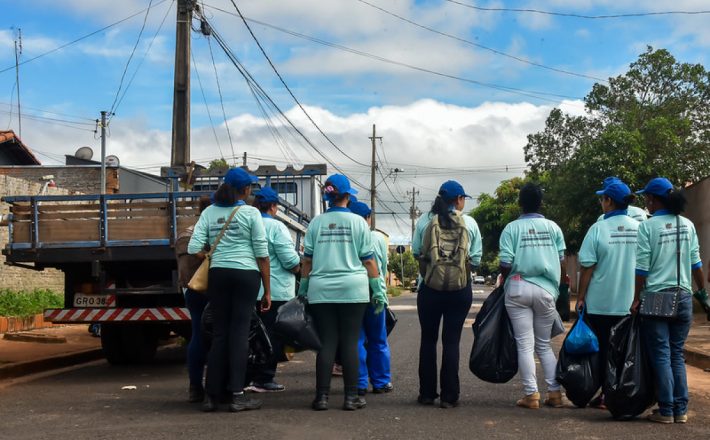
column 12, row 105
column 481, row 46
column 207, row 107
column 567, row 14
column 221, row 100
column 47, row 111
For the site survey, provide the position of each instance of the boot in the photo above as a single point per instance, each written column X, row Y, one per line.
column 321, row 402
column 554, row 399
column 210, row 403
column 531, row 401
column 240, row 402
column 196, row 393
column 353, row 402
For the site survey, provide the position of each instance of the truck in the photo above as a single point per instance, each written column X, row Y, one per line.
column 117, row 254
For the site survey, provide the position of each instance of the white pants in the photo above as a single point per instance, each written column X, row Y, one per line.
column 532, row 312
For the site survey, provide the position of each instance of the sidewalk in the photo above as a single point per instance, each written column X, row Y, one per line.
column 48, row 351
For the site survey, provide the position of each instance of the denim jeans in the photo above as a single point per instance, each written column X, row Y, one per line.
column 196, row 350
column 532, row 313
column 665, row 339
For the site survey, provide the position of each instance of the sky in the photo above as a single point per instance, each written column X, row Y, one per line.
column 453, row 90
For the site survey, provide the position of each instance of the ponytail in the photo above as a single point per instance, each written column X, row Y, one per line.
column 675, row 201
column 442, row 209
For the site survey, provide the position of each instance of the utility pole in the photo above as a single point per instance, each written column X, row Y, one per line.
column 413, row 209
column 373, row 168
column 244, row 160
column 18, row 52
column 180, row 152
column 103, row 152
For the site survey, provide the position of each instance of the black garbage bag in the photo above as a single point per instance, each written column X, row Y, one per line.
column 494, row 356
column 260, row 348
column 295, row 326
column 390, row 320
column 579, row 374
column 629, row 389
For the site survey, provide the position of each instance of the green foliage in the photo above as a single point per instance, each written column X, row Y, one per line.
column 411, row 267
column 654, row 120
column 218, row 164
column 14, row 303
column 394, row 291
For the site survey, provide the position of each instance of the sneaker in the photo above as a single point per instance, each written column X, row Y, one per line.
column 681, row 418
column 531, row 401
column 425, row 400
column 446, row 405
column 385, row 389
column 268, row 387
column 240, row 402
column 657, row 417
column 353, row 403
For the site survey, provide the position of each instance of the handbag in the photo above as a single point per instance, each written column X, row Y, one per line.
column 664, row 304
column 198, row 282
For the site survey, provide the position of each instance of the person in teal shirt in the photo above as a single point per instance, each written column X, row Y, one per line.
column 531, row 262
column 284, row 264
column 660, row 268
column 238, row 266
column 608, row 260
column 338, row 272
column 636, row 213
column 373, row 345
column 437, row 306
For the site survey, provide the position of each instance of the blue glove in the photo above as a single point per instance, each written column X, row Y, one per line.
column 303, row 288
column 379, row 294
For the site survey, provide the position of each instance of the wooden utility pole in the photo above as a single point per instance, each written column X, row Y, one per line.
column 18, row 52
column 373, row 168
column 180, row 153
column 413, row 209
column 103, row 152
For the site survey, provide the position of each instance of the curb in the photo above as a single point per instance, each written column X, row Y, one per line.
column 35, row 337
column 39, row 365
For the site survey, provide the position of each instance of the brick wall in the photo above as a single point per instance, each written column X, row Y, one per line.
column 17, row 278
column 83, row 179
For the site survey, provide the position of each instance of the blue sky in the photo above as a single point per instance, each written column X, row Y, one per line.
column 426, row 120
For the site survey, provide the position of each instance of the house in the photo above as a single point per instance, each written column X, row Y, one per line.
column 129, row 181
column 13, row 151
column 698, row 211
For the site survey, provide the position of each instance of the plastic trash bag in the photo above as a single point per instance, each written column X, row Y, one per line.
column 629, row 388
column 579, row 374
column 494, row 356
column 260, row 348
column 581, row 339
column 295, row 326
column 390, row 320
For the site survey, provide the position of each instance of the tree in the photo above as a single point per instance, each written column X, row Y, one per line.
column 653, row 120
column 411, row 267
column 218, row 164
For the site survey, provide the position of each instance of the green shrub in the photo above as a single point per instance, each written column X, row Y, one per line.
column 19, row 303
column 394, row 291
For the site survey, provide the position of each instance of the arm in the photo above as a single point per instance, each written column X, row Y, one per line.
column 506, row 255
column 371, row 267
column 285, row 250
column 584, row 279
column 643, row 264
column 476, row 250
column 261, row 251
column 265, row 269
column 640, row 284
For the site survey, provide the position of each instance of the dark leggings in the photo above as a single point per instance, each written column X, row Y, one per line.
column 338, row 325
column 602, row 324
column 232, row 294
column 196, row 350
column 453, row 307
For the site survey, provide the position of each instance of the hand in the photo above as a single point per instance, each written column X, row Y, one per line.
column 701, row 296
column 266, row 302
column 303, row 288
column 379, row 294
column 635, row 306
column 378, row 305
column 580, row 305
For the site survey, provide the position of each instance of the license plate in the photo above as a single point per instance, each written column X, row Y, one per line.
column 84, row 300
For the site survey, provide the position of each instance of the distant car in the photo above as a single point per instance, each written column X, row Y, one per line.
column 478, row 279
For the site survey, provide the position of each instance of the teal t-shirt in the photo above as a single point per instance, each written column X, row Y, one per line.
column 533, row 246
column 474, row 234
column 337, row 242
column 634, row 212
column 656, row 252
column 610, row 245
column 282, row 258
column 380, row 248
column 243, row 242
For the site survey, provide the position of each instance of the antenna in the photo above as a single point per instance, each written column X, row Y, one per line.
column 18, row 52
column 112, row 161
column 85, row 153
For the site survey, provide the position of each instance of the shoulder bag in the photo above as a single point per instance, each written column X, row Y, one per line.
column 198, row 282
column 664, row 304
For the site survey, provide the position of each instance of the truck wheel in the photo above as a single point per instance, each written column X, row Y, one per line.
column 128, row 344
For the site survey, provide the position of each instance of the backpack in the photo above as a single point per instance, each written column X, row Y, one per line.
column 444, row 263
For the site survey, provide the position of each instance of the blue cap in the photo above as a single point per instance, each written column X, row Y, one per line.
column 617, row 191
column 267, row 195
column 341, row 184
column 660, row 186
column 360, row 209
column 608, row 181
column 238, row 178
column 451, row 189
column 353, row 198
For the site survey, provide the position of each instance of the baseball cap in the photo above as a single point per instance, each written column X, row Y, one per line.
column 451, row 189
column 609, row 180
column 617, row 191
column 267, row 195
column 360, row 209
column 659, row 186
column 341, row 184
column 239, row 178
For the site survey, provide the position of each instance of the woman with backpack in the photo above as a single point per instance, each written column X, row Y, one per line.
column 667, row 257
column 448, row 245
column 338, row 272
column 531, row 262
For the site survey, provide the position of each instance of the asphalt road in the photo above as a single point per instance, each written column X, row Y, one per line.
column 87, row 402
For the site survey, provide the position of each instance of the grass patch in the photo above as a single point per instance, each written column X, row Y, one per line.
column 395, row 291
column 18, row 303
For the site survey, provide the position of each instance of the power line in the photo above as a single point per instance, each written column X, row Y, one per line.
column 91, row 34
column 47, row 111
column 221, row 100
column 481, row 46
column 569, row 14
column 207, row 107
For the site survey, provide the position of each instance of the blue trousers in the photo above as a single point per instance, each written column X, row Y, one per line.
column 196, row 352
column 374, row 351
column 665, row 339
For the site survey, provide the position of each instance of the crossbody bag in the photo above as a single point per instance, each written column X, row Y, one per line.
column 664, row 304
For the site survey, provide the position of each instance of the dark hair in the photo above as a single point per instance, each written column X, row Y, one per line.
column 335, row 196
column 227, row 195
column 674, row 201
column 530, row 198
column 442, row 208
column 264, row 206
column 204, row 202
column 629, row 199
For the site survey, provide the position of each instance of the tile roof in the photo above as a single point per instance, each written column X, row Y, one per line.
column 21, row 153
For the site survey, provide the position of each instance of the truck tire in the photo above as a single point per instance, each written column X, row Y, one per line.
column 124, row 344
